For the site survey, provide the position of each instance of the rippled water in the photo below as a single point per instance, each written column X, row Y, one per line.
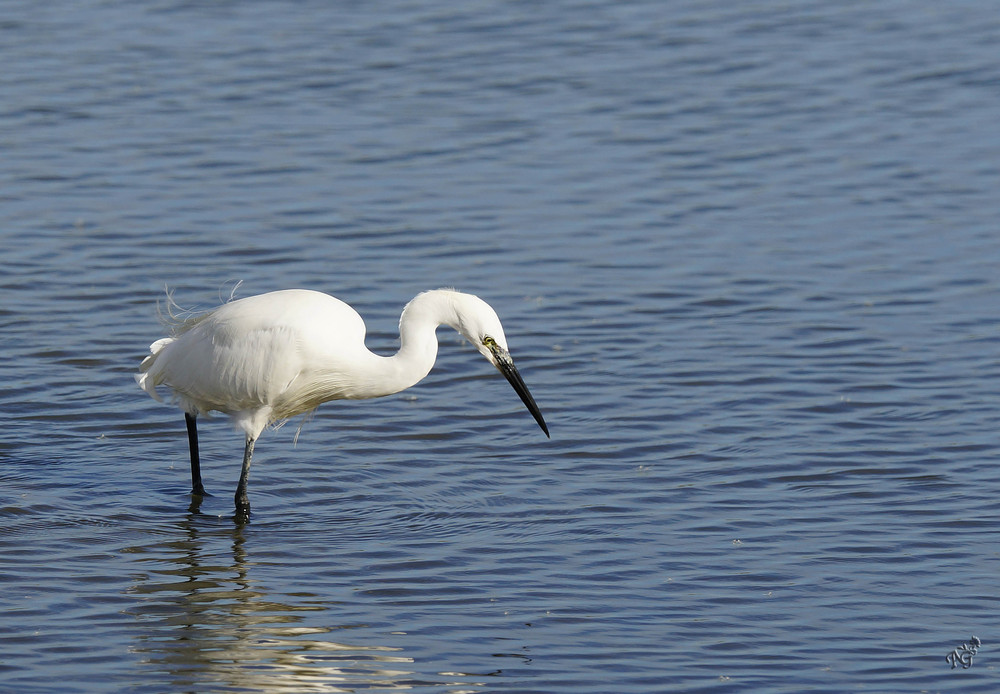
column 745, row 254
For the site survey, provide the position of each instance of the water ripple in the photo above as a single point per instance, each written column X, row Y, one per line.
column 746, row 262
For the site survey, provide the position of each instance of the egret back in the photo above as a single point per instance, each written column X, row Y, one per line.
column 260, row 359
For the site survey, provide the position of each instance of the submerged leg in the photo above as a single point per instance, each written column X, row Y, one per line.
column 242, row 502
column 192, row 428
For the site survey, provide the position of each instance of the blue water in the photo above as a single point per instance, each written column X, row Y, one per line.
column 746, row 259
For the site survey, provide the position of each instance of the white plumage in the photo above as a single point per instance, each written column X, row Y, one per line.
column 269, row 357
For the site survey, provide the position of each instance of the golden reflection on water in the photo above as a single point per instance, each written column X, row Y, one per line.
column 207, row 624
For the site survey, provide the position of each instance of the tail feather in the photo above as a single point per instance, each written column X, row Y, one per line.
column 147, row 376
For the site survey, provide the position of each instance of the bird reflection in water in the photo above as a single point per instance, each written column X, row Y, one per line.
column 208, row 624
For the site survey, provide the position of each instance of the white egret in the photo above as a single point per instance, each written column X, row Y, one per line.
column 266, row 358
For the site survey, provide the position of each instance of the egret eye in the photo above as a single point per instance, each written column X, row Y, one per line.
column 489, row 341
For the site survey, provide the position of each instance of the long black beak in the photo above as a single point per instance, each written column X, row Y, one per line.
column 506, row 366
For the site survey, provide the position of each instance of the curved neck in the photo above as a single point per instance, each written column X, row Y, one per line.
column 417, row 347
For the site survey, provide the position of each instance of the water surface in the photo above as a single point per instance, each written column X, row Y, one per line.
column 746, row 258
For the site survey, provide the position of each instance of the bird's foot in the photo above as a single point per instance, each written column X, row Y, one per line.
column 242, row 512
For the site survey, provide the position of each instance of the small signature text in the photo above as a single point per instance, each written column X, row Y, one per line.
column 964, row 653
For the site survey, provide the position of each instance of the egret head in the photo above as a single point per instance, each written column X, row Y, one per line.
column 478, row 323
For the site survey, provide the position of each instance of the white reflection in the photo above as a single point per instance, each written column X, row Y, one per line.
column 207, row 625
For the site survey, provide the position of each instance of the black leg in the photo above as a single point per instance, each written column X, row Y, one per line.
column 197, row 487
column 242, row 501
